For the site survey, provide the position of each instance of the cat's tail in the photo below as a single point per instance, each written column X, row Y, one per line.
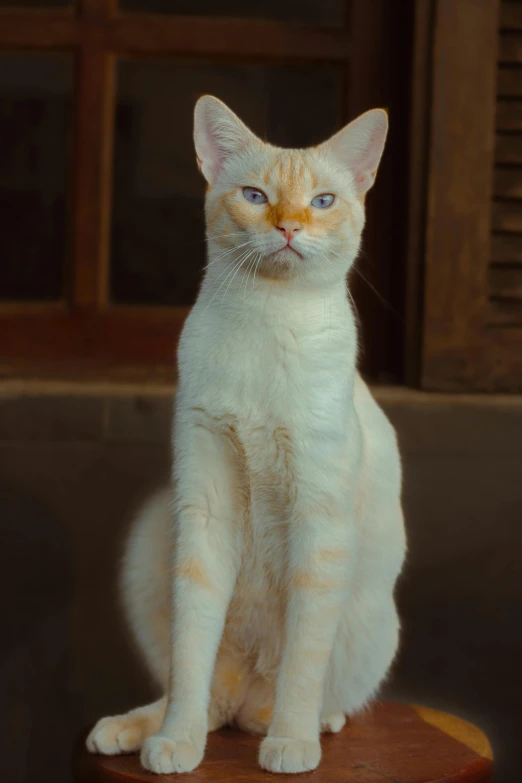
column 145, row 582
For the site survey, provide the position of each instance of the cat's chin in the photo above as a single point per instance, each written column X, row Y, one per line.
column 291, row 253
column 285, row 256
column 280, row 265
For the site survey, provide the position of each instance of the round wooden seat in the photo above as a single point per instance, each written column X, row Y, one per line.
column 393, row 742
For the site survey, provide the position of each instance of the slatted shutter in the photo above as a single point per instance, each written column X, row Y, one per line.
column 472, row 322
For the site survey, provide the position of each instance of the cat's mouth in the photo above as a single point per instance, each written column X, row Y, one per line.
column 286, row 252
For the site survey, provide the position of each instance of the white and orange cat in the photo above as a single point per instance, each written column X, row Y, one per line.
column 260, row 587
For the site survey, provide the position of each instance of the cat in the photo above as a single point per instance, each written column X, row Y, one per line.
column 272, row 561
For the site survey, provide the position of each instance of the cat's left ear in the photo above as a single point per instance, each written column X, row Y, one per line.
column 218, row 134
column 359, row 147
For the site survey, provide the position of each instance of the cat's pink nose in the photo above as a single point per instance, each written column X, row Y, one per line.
column 289, row 229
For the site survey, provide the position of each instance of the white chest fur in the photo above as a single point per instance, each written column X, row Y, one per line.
column 285, row 357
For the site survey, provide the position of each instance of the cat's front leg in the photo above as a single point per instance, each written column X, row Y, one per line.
column 320, row 561
column 204, row 571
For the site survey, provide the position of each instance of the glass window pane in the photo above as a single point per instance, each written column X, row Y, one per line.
column 158, row 247
column 35, row 121
column 316, row 12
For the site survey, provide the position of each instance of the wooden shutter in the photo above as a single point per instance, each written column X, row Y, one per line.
column 472, row 323
column 505, row 274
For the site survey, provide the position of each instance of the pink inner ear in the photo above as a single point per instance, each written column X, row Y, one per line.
column 213, row 156
column 208, row 154
column 218, row 134
column 360, row 145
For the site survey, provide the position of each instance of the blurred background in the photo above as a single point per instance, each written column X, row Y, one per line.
column 101, row 251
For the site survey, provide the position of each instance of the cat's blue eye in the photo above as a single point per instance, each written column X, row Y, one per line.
column 323, row 201
column 255, row 196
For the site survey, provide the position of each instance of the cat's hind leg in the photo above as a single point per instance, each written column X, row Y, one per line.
column 333, row 722
column 230, row 683
column 126, row 733
column 255, row 713
column 363, row 653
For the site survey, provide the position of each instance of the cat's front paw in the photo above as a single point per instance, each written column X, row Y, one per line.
column 120, row 734
column 165, row 756
column 282, row 754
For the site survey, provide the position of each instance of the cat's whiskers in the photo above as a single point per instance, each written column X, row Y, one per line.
column 247, row 276
column 246, row 255
column 213, row 237
column 210, row 263
column 354, row 311
column 222, row 236
column 257, row 261
column 371, row 286
column 260, row 258
column 323, row 258
column 354, row 306
column 245, row 273
column 225, row 270
column 234, row 263
column 227, row 252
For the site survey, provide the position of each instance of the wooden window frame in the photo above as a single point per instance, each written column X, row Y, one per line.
column 85, row 334
column 453, row 340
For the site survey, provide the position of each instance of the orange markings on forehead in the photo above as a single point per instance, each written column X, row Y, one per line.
column 274, row 173
column 287, row 168
column 280, row 168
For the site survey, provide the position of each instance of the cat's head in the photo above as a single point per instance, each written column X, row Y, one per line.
column 295, row 214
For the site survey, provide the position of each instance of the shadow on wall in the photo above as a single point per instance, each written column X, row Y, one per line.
column 40, row 714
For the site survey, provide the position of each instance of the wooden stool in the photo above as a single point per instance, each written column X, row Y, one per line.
column 394, row 742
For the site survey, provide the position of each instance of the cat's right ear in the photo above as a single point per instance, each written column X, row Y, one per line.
column 218, row 134
column 359, row 146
